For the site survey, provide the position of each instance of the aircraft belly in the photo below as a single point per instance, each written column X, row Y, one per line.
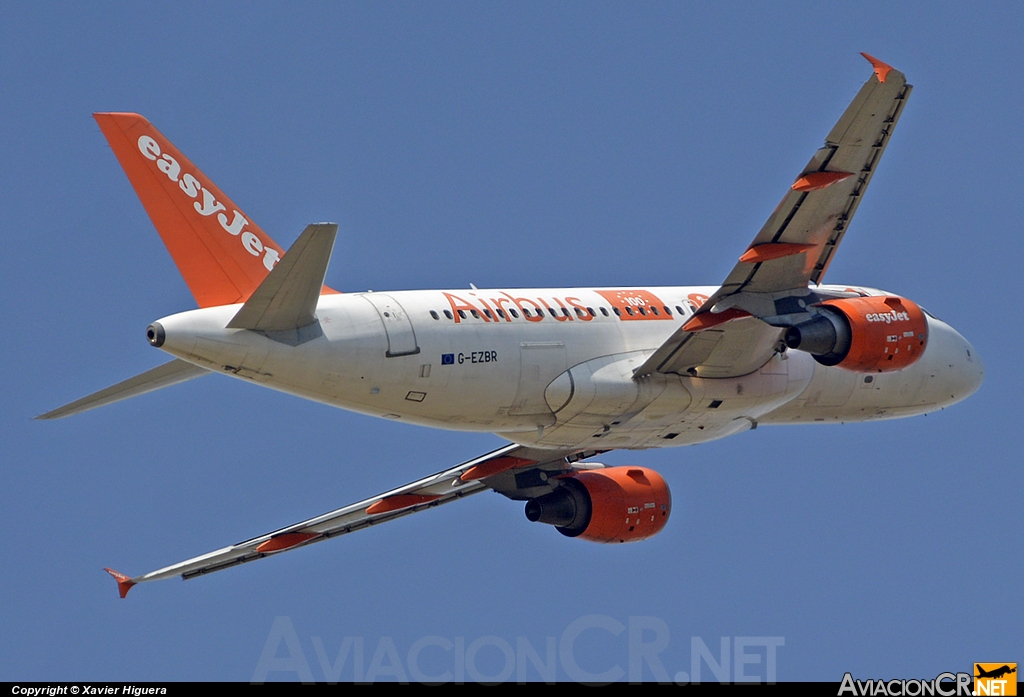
column 599, row 406
column 837, row 395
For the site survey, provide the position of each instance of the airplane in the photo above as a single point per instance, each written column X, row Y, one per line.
column 562, row 374
column 995, row 673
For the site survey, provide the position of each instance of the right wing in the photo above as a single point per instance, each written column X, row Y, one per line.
column 516, row 471
column 793, row 248
column 799, row 239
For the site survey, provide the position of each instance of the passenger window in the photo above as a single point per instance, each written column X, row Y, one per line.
column 434, row 315
column 462, row 314
column 617, row 311
column 448, row 314
column 514, row 313
column 580, row 313
column 591, row 311
column 604, row 311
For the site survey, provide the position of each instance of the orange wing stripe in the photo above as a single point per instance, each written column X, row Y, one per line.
column 399, row 501
column 285, row 541
column 493, row 467
column 713, row 319
column 773, row 250
column 812, row 181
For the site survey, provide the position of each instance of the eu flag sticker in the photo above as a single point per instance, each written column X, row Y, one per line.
column 447, row 359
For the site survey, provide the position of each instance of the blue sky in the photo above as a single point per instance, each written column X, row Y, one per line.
column 501, row 144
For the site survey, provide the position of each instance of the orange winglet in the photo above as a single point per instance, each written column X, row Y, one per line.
column 493, row 467
column 812, row 181
column 773, row 250
column 881, row 69
column 399, row 501
column 288, row 540
column 124, row 583
column 713, row 319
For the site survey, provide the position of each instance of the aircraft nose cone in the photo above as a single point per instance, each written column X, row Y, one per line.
column 956, row 361
column 954, row 367
column 975, row 371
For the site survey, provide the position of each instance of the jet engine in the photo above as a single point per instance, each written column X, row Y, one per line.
column 866, row 335
column 615, row 504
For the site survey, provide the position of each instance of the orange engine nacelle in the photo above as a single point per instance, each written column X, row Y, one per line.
column 615, row 504
column 874, row 334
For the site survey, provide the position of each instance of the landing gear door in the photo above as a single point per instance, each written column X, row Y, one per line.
column 397, row 326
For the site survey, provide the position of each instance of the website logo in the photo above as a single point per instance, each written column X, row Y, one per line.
column 995, row 678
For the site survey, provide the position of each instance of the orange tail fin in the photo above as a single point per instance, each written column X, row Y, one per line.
column 221, row 254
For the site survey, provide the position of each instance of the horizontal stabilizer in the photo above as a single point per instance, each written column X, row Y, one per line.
column 167, row 374
column 287, row 297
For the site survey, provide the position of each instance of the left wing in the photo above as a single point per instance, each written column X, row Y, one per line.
column 516, row 471
column 793, row 248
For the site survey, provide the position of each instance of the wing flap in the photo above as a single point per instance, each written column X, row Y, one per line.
column 737, row 348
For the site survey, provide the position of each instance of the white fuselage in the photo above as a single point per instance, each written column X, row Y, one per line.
column 483, row 360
